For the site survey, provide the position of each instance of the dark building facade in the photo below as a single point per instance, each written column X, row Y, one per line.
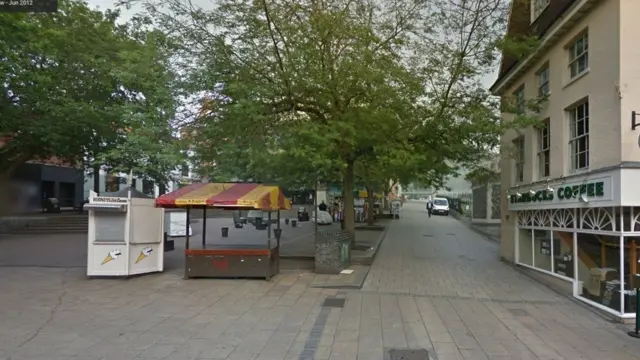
column 35, row 182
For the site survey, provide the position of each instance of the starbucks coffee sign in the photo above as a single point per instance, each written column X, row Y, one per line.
column 561, row 195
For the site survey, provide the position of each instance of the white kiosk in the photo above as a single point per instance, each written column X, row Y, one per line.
column 126, row 234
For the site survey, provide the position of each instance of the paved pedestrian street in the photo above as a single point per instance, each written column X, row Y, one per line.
column 435, row 285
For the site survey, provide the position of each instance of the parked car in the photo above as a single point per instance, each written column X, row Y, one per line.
column 440, row 206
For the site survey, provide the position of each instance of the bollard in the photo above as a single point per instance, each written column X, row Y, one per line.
column 225, row 232
column 286, row 221
column 294, row 223
column 634, row 333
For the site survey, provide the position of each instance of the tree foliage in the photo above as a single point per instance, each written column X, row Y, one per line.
column 338, row 88
column 74, row 80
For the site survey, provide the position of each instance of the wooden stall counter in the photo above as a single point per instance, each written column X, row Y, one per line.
column 241, row 261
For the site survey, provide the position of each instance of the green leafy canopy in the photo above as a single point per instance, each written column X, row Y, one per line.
column 339, row 90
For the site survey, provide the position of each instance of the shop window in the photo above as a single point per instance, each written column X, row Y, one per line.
column 525, row 247
column 563, row 253
column 542, row 247
column 631, row 272
column 599, row 269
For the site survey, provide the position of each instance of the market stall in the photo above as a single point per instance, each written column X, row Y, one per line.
column 126, row 234
column 230, row 257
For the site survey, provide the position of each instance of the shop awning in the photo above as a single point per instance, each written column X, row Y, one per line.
column 226, row 195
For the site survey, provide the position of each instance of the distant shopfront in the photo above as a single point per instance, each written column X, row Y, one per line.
column 35, row 182
column 586, row 231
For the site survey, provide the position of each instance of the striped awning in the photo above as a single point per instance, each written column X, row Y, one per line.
column 226, row 195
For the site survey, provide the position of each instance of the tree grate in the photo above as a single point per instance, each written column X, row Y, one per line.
column 333, row 302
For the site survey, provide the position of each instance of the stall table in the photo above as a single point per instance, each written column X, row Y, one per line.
column 230, row 258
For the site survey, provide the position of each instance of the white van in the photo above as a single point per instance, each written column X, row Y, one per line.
column 440, row 206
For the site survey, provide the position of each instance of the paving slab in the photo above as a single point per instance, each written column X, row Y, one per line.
column 353, row 280
column 446, row 294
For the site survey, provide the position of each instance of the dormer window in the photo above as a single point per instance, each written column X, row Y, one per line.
column 537, row 7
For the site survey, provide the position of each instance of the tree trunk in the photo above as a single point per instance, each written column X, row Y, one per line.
column 347, row 188
column 96, row 178
column 370, row 210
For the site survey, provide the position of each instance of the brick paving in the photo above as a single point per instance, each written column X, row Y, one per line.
column 434, row 285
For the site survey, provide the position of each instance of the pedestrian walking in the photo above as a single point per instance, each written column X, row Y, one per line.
column 429, row 207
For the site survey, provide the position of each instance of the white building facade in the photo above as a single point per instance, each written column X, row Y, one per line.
column 571, row 207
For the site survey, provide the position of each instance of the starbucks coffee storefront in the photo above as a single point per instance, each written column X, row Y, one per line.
column 584, row 230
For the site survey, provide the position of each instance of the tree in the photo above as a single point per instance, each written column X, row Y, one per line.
column 71, row 81
column 361, row 75
column 146, row 143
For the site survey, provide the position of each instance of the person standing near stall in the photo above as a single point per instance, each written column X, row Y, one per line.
column 429, row 207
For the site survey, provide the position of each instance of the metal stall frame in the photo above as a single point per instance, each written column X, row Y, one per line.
column 230, row 261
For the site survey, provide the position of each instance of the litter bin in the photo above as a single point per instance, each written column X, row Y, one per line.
column 294, row 223
column 260, row 224
column 225, row 232
column 51, row 205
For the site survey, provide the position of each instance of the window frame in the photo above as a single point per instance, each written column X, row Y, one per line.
column 579, row 136
column 575, row 57
column 520, row 100
column 537, row 9
column 544, row 149
column 541, row 84
column 519, row 146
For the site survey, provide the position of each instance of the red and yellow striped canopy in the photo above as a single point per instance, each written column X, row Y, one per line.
column 226, row 195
